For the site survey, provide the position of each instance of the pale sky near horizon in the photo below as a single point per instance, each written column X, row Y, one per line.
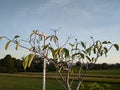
column 80, row 18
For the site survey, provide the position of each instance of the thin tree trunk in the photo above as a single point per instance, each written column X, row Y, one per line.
column 79, row 83
column 67, row 81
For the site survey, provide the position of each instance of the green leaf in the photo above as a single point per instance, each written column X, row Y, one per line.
column 109, row 42
column 88, row 58
column 31, row 48
column 84, row 51
column 75, row 54
column 104, row 42
column 116, row 46
column 75, row 49
column 1, row 38
column 17, row 45
column 56, row 52
column 66, row 51
column 71, row 44
column 105, row 49
column 93, row 59
column 82, row 55
column 100, row 49
column 94, row 50
column 101, row 53
column 46, row 46
column 83, row 44
column 16, row 36
column 51, row 49
column 55, row 39
column 7, row 45
column 51, row 37
column 89, row 50
column 47, row 37
column 105, row 54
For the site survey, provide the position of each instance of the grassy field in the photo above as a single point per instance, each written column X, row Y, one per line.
column 33, row 81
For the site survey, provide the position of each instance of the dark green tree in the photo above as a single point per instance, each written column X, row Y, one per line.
column 8, row 64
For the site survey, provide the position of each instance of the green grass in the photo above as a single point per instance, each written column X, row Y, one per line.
column 104, row 73
column 19, row 83
column 33, row 81
column 27, row 83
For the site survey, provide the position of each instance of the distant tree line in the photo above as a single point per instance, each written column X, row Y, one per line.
column 9, row 64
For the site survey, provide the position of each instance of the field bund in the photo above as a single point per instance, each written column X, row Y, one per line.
column 103, row 76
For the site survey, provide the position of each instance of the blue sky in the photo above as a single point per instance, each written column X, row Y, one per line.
column 81, row 18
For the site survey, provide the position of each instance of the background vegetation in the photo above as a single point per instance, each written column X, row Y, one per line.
column 9, row 64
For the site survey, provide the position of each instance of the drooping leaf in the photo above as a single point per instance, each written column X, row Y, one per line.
column 105, row 49
column 51, row 49
column 96, row 43
column 75, row 49
column 17, row 45
column 16, row 36
column 28, row 60
column 100, row 43
column 71, row 44
column 25, row 61
column 93, row 59
column 31, row 57
column 84, row 51
column 94, row 50
column 61, row 52
column 31, row 48
column 66, row 51
column 51, row 37
column 75, row 54
column 56, row 52
column 105, row 54
column 101, row 53
column 82, row 55
column 88, row 58
column 47, row 37
column 116, row 47
column 7, row 45
column 89, row 50
column 83, row 44
column 46, row 46
column 1, row 38
column 55, row 39
column 100, row 49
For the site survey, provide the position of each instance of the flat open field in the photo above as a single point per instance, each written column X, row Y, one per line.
column 33, row 81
